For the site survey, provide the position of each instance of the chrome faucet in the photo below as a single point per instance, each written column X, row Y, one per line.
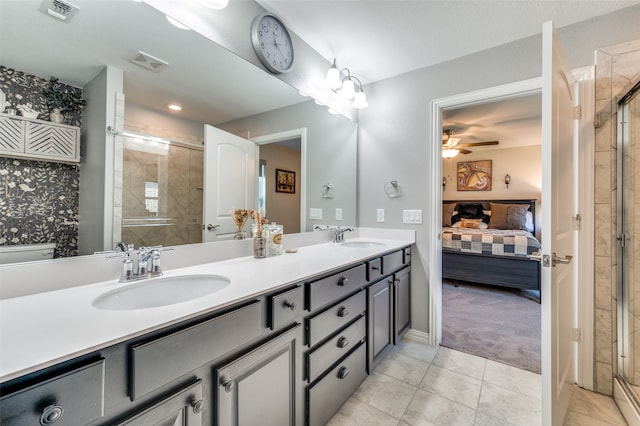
column 144, row 256
column 338, row 235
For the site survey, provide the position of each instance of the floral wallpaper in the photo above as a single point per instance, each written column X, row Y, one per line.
column 21, row 88
column 38, row 199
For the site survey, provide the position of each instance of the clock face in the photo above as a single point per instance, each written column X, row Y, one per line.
column 272, row 43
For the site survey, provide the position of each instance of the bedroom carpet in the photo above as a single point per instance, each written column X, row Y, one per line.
column 492, row 322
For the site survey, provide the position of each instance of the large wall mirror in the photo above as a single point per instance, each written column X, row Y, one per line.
column 213, row 86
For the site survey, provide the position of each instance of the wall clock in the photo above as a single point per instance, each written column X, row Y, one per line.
column 272, row 43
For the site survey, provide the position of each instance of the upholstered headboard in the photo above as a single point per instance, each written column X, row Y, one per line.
column 486, row 204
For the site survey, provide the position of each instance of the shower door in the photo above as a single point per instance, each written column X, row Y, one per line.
column 628, row 241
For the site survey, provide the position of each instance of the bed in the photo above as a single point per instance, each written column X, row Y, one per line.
column 488, row 246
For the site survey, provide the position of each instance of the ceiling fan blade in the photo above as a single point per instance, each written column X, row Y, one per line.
column 486, row 143
column 465, row 151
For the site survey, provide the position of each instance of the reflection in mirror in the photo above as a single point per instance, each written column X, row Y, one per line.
column 213, row 86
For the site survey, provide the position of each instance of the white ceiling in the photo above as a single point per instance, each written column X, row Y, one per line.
column 378, row 39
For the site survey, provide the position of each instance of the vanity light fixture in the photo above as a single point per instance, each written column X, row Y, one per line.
column 346, row 85
column 507, row 180
column 174, row 107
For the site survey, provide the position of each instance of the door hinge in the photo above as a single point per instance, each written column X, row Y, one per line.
column 623, row 240
column 577, row 335
column 577, row 221
column 597, row 122
column 577, row 114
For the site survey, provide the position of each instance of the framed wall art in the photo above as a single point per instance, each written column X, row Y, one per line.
column 474, row 175
column 285, row 181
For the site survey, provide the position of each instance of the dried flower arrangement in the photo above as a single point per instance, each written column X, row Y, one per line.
column 260, row 221
column 240, row 217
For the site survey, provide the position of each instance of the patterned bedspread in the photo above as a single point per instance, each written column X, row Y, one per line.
column 495, row 242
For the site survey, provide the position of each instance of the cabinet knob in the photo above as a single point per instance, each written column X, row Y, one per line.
column 51, row 414
column 343, row 312
column 227, row 385
column 343, row 342
column 197, row 406
column 343, row 372
column 290, row 305
column 342, row 281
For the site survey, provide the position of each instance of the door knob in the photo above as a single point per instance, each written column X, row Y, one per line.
column 564, row 260
column 211, row 227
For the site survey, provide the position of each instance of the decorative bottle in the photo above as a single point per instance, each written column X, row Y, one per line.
column 259, row 246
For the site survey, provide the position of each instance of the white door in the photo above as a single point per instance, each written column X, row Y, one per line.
column 229, row 181
column 558, row 211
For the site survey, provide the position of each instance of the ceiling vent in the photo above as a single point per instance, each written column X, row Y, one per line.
column 59, row 9
column 149, row 62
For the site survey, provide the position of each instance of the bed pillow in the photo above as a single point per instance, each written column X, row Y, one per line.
column 447, row 212
column 508, row 216
column 470, row 211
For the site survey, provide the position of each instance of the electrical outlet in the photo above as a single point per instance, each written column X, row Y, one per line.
column 338, row 213
column 412, row 216
column 315, row 214
column 380, row 215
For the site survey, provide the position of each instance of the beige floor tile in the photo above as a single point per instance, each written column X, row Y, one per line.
column 403, row 367
column 460, row 362
column 416, row 349
column 357, row 413
column 451, row 385
column 483, row 419
column 514, row 379
column 577, row 419
column 430, row 409
column 597, row 406
column 385, row 393
column 509, row 406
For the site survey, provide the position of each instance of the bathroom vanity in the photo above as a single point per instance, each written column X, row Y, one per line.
column 287, row 342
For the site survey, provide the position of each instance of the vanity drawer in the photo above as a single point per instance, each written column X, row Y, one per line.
column 326, row 397
column 74, row 398
column 330, row 352
column 393, row 261
column 374, row 269
column 335, row 317
column 156, row 363
column 334, row 287
column 285, row 307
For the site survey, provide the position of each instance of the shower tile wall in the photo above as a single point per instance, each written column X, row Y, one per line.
column 178, row 172
column 38, row 199
column 616, row 66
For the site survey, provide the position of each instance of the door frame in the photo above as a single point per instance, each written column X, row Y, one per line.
column 586, row 163
column 282, row 136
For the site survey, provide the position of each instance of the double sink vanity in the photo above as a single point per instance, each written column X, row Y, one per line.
column 244, row 341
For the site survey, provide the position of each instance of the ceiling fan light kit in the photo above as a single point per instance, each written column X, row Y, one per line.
column 451, row 148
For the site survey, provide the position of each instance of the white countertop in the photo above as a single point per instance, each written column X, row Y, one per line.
column 43, row 329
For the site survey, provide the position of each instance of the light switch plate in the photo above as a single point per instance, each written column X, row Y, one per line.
column 412, row 216
column 338, row 213
column 315, row 214
column 380, row 215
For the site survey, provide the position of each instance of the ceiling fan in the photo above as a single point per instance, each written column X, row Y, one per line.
column 451, row 146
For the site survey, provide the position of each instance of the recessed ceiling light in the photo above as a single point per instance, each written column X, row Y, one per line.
column 174, row 107
column 177, row 24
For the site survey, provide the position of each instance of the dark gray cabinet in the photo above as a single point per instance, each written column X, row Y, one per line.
column 402, row 302
column 264, row 386
column 380, row 327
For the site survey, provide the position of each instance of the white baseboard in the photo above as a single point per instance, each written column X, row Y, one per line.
column 626, row 405
column 420, row 336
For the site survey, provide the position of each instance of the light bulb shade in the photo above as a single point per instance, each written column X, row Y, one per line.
column 360, row 101
column 333, row 78
column 348, row 90
column 449, row 153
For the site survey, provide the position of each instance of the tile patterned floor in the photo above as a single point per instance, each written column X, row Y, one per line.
column 417, row 384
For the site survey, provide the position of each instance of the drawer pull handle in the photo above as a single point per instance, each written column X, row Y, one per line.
column 197, row 406
column 342, row 281
column 290, row 305
column 228, row 385
column 375, row 268
column 343, row 312
column 343, row 342
column 343, row 372
column 51, row 414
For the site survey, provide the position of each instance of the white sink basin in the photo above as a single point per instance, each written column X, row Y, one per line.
column 160, row 292
column 361, row 244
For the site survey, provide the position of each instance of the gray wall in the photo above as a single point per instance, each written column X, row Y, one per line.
column 394, row 136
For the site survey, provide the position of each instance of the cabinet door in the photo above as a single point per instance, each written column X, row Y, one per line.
column 402, row 301
column 182, row 408
column 380, row 336
column 263, row 387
